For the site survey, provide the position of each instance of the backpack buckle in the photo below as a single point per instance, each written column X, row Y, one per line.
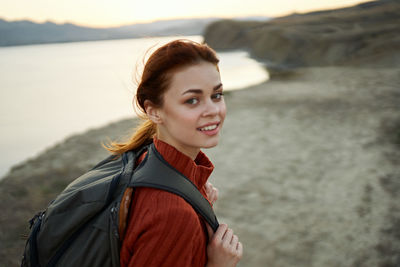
column 38, row 216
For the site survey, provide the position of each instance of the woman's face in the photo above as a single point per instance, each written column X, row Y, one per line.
column 193, row 109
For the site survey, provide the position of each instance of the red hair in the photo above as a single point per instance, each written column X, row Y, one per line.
column 156, row 79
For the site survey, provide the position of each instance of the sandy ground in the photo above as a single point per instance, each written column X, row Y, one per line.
column 307, row 168
column 307, row 171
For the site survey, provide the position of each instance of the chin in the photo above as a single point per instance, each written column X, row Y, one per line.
column 210, row 144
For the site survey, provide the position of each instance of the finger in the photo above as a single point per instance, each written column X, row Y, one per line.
column 219, row 234
column 210, row 231
column 209, row 187
column 213, row 196
column 227, row 239
column 216, row 193
column 235, row 240
column 239, row 249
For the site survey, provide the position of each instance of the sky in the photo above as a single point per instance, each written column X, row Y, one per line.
column 106, row 13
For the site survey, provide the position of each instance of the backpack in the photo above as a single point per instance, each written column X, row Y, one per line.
column 80, row 227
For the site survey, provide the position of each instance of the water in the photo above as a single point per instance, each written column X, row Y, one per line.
column 51, row 91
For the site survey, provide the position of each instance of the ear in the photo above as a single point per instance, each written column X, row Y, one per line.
column 152, row 112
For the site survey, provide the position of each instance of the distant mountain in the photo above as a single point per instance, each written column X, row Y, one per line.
column 166, row 27
column 27, row 32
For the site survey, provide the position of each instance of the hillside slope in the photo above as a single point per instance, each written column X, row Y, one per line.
column 366, row 34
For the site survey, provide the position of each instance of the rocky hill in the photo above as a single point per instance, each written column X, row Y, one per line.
column 366, row 34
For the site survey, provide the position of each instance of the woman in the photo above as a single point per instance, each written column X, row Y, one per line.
column 180, row 95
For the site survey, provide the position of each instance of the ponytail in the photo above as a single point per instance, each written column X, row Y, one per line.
column 143, row 135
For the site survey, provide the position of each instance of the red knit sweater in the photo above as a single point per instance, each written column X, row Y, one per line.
column 163, row 229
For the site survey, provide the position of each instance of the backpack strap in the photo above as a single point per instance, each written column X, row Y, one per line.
column 155, row 172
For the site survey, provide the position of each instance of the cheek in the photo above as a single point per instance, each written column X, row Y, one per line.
column 223, row 110
column 181, row 117
column 190, row 117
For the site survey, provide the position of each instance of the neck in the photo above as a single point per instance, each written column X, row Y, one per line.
column 191, row 152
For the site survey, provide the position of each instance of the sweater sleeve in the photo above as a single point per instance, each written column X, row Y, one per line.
column 166, row 232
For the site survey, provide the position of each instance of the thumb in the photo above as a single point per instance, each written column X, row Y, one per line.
column 210, row 231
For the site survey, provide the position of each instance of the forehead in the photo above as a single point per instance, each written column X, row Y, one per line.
column 203, row 76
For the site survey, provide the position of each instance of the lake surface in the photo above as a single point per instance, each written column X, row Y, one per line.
column 51, row 91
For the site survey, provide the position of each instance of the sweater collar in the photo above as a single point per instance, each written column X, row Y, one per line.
column 197, row 170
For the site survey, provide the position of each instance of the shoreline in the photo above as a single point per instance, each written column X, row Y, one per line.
column 89, row 130
column 307, row 170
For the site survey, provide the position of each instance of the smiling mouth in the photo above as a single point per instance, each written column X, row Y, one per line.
column 208, row 128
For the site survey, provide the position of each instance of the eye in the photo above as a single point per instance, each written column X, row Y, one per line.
column 192, row 101
column 217, row 96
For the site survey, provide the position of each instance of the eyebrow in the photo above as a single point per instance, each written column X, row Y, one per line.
column 199, row 91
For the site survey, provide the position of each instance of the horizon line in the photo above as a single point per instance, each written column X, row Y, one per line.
column 128, row 23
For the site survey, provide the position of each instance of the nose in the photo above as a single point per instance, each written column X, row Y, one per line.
column 211, row 109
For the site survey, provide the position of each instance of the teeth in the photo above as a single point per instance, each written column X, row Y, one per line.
column 208, row 128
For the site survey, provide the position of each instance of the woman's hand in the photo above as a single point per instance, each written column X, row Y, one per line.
column 212, row 193
column 224, row 248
